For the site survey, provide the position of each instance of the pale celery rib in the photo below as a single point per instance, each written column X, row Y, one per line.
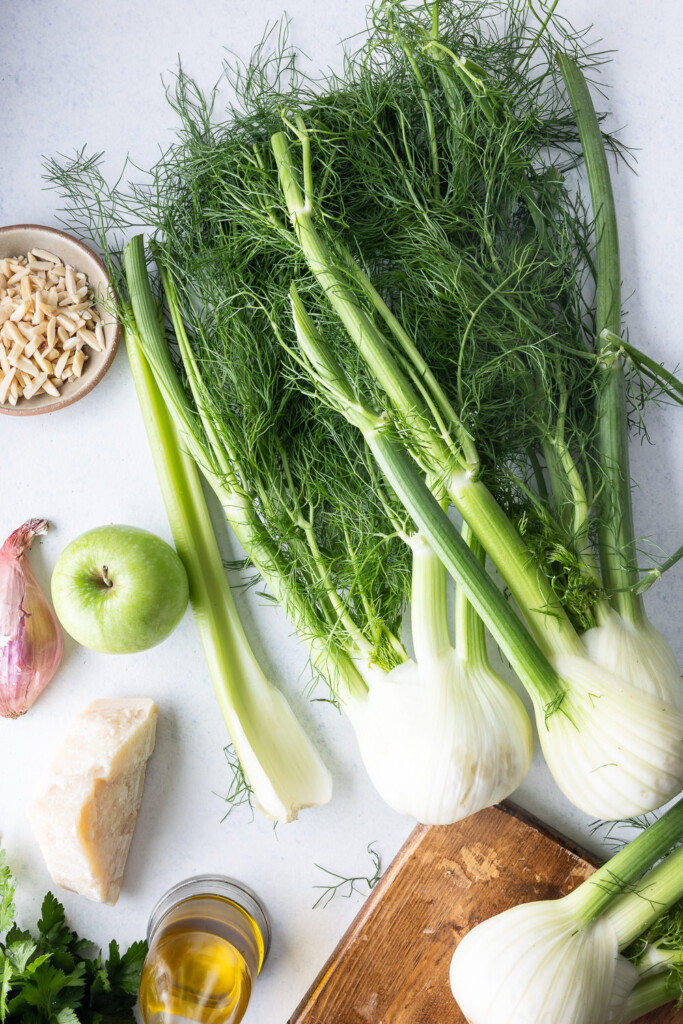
column 333, row 662
column 281, row 764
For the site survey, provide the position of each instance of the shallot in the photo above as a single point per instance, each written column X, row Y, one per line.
column 31, row 641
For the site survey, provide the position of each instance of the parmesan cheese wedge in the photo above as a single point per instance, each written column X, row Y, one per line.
column 85, row 811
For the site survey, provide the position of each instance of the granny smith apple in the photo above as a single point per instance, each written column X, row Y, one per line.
column 118, row 589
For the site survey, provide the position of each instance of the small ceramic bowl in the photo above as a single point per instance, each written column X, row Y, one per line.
column 18, row 240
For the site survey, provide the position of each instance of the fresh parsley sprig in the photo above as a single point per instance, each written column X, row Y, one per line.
column 55, row 977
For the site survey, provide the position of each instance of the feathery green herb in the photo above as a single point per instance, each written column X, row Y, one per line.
column 346, row 886
column 397, row 257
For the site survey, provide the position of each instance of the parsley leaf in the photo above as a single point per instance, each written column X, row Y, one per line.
column 54, row 933
column 55, row 977
column 5, row 984
column 124, row 971
column 7, row 886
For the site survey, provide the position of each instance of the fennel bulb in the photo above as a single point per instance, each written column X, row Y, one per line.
column 442, row 738
column 549, row 969
column 638, row 654
column 613, row 750
column 560, row 962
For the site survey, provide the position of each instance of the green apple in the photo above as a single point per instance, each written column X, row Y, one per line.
column 119, row 589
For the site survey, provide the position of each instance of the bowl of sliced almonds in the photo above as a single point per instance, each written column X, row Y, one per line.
column 58, row 332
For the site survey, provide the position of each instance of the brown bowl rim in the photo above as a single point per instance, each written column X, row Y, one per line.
column 61, row 403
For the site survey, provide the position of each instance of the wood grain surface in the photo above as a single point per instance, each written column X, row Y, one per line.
column 392, row 965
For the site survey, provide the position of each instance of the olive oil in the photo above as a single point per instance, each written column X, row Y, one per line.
column 208, row 939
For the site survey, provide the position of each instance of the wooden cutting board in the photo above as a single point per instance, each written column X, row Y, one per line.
column 392, row 965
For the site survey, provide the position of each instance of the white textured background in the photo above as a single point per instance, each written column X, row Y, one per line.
column 72, row 73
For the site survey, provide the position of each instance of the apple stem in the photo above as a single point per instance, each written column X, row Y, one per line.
column 108, row 581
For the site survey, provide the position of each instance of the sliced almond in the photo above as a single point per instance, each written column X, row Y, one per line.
column 79, row 360
column 51, row 332
column 66, row 322
column 89, row 338
column 21, row 311
column 36, row 265
column 43, row 254
column 31, row 389
column 33, row 346
column 13, row 332
column 5, row 384
column 18, row 274
column 16, row 352
column 60, row 365
column 26, row 366
column 43, row 363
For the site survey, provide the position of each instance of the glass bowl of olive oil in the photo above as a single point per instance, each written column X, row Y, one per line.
column 208, row 939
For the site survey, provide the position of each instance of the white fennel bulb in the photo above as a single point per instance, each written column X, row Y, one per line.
column 639, row 654
column 442, row 739
column 559, row 961
column 614, row 750
column 537, row 964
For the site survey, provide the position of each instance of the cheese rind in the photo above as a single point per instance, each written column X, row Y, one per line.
column 85, row 810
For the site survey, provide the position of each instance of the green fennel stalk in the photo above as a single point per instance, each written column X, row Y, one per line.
column 544, row 613
column 476, row 585
column 650, row 994
column 615, row 518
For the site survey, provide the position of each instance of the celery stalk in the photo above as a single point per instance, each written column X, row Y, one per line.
column 334, row 663
column 281, row 764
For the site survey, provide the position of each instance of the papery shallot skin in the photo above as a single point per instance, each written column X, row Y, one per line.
column 31, row 641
